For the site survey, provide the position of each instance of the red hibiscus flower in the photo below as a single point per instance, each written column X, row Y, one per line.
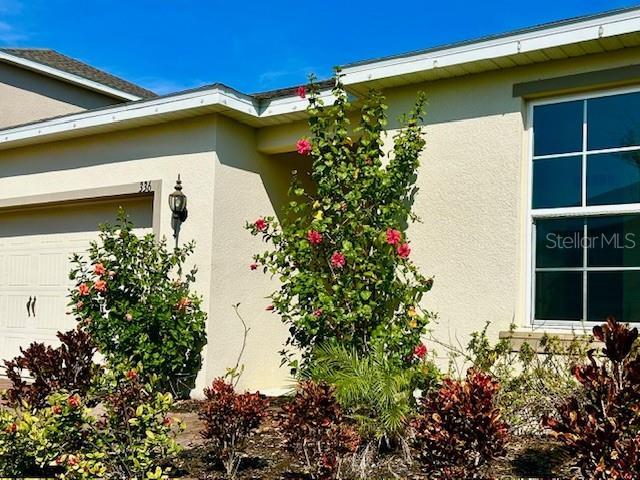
column 12, row 428
column 303, row 146
column 420, row 350
column 100, row 286
column 99, row 269
column 253, row 266
column 72, row 460
column 260, row 224
column 270, row 307
column 132, row 374
column 73, row 401
column 393, row 236
column 168, row 421
column 403, row 250
column 338, row 260
column 83, row 289
column 56, row 409
column 317, row 313
column 314, row 237
column 301, row 92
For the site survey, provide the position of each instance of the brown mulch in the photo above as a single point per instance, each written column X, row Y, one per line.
column 527, row 457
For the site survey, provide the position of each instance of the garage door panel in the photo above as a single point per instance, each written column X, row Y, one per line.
column 51, row 271
column 16, row 308
column 35, row 251
column 19, row 266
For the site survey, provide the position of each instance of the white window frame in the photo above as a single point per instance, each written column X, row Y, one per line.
column 564, row 212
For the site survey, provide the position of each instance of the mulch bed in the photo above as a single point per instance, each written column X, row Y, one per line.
column 528, row 457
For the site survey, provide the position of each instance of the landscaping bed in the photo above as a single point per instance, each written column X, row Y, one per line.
column 528, row 457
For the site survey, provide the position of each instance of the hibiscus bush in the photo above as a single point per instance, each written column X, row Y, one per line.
column 341, row 251
column 135, row 301
column 600, row 425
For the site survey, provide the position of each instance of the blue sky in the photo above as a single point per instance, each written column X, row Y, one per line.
column 170, row 45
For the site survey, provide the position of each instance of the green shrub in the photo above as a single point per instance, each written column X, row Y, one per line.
column 132, row 438
column 341, row 252
column 38, row 441
column 136, row 434
column 374, row 390
column 533, row 383
column 135, row 303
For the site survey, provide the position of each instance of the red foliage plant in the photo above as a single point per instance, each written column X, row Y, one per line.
column 229, row 419
column 601, row 426
column 68, row 367
column 458, row 430
column 314, row 427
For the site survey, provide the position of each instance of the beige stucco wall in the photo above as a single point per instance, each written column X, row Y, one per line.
column 473, row 194
column 152, row 153
column 247, row 185
column 472, row 200
column 26, row 96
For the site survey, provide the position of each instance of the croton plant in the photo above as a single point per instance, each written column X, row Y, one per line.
column 601, row 425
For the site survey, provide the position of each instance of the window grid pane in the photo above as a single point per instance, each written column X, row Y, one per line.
column 610, row 129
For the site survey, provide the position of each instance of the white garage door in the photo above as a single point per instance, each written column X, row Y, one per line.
column 35, row 246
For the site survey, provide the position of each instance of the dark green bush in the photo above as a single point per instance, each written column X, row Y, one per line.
column 132, row 298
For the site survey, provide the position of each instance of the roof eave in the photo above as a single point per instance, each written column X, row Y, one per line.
column 67, row 77
column 592, row 28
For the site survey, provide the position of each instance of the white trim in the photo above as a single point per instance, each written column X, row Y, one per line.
column 67, row 77
column 518, row 43
column 219, row 96
column 564, row 212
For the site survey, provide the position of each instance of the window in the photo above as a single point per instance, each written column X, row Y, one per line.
column 585, row 209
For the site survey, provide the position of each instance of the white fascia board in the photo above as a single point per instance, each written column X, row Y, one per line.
column 225, row 98
column 294, row 104
column 580, row 31
column 67, row 77
column 216, row 96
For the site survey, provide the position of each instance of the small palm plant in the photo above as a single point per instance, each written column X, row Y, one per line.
column 376, row 392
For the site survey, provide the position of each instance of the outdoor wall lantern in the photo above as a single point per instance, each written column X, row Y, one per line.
column 178, row 206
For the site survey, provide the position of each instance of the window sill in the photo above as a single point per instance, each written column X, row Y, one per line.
column 533, row 339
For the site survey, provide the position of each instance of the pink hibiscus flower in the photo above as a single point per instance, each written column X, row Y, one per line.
column 260, row 224
column 393, row 236
column 301, row 92
column 314, row 237
column 420, row 350
column 403, row 250
column 100, row 286
column 303, row 146
column 338, row 260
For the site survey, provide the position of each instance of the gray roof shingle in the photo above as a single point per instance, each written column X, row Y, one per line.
column 56, row 60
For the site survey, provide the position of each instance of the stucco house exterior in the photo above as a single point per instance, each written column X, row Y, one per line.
column 532, row 137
